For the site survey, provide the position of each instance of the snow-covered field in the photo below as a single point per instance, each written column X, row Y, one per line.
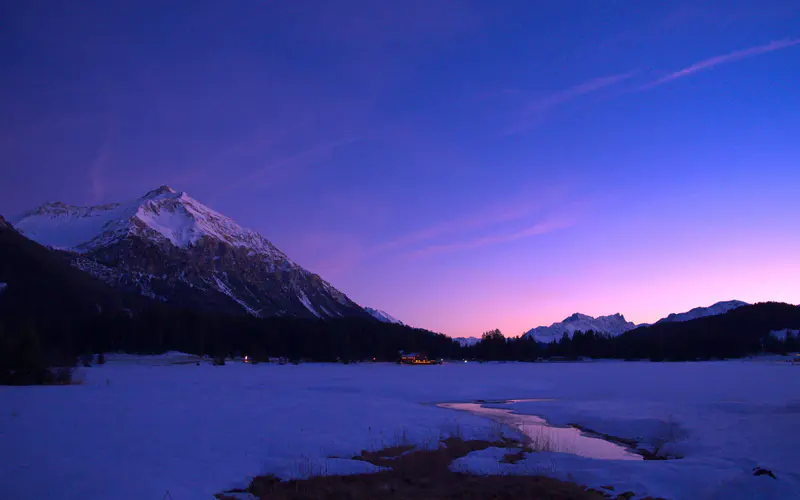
column 137, row 429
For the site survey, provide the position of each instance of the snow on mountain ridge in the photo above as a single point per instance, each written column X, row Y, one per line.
column 614, row 324
column 467, row 341
column 700, row 312
column 382, row 316
column 161, row 214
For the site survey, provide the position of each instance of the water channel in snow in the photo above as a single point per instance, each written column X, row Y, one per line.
column 545, row 437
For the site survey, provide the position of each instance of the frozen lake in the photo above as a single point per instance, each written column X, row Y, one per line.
column 137, row 429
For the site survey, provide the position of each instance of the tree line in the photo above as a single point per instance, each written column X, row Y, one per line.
column 30, row 345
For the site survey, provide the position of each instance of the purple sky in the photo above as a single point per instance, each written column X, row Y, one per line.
column 462, row 165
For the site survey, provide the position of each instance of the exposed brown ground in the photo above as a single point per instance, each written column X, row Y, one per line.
column 423, row 474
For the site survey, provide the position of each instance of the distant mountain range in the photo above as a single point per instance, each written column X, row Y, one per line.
column 616, row 324
column 700, row 312
column 169, row 247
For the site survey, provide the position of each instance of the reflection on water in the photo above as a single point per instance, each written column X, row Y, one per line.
column 544, row 437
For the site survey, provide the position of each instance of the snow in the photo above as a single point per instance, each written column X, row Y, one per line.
column 483, row 462
column 240, row 496
column 160, row 214
column 614, row 324
column 778, row 334
column 700, row 312
column 382, row 316
column 141, row 427
column 304, row 299
column 467, row 341
column 65, row 227
column 220, row 286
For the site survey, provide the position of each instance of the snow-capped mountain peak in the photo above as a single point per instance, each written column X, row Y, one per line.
column 382, row 316
column 577, row 318
column 169, row 246
column 162, row 214
column 700, row 312
column 163, row 190
column 614, row 324
column 467, row 341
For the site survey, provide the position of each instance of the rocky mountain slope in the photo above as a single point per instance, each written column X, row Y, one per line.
column 38, row 282
column 170, row 247
column 382, row 316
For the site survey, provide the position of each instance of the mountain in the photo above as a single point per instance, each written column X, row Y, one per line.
column 51, row 312
column 382, row 316
column 743, row 330
column 38, row 282
column 700, row 312
column 170, row 247
column 467, row 341
column 614, row 325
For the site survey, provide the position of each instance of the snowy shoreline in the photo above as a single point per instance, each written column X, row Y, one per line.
column 140, row 426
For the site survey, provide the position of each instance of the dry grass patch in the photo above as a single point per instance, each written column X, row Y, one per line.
column 422, row 474
column 447, row 486
column 515, row 457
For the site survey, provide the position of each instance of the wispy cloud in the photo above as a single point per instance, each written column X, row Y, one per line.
column 557, row 99
column 536, row 110
column 96, row 171
column 526, row 215
column 102, row 157
column 502, row 214
column 724, row 59
column 540, row 228
column 281, row 166
column 330, row 253
column 487, row 218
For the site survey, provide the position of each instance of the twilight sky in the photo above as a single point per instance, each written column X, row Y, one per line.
column 463, row 165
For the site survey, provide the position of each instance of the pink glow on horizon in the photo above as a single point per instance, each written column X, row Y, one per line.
column 643, row 280
column 639, row 300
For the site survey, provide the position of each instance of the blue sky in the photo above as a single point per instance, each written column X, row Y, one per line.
column 462, row 165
